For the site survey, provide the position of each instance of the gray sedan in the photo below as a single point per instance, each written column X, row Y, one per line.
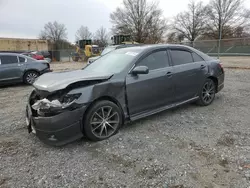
column 16, row 68
column 121, row 86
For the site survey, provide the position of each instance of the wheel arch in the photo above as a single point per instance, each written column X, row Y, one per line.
column 105, row 98
column 215, row 80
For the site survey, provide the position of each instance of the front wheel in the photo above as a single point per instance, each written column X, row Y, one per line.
column 207, row 94
column 102, row 121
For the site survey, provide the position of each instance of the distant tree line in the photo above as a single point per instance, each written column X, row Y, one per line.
column 56, row 33
column 144, row 21
column 219, row 19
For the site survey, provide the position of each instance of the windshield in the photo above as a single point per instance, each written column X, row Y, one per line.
column 113, row 62
column 107, row 50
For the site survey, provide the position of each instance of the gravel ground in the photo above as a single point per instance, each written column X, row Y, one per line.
column 188, row 147
column 236, row 62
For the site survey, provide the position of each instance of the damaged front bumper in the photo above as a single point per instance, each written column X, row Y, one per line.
column 59, row 129
column 55, row 124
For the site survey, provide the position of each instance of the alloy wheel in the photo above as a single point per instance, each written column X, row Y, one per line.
column 208, row 92
column 30, row 78
column 104, row 122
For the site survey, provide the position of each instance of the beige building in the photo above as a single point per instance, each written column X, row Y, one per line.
column 18, row 44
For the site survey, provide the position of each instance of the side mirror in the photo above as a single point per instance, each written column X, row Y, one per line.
column 140, row 70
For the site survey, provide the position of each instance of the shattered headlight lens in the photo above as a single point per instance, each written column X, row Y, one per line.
column 46, row 104
column 69, row 98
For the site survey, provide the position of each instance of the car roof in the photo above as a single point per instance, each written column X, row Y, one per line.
column 146, row 47
column 16, row 54
column 151, row 46
column 9, row 53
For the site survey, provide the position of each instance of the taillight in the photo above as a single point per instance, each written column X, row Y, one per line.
column 221, row 66
column 48, row 65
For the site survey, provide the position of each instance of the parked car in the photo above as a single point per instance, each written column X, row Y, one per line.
column 34, row 55
column 123, row 85
column 45, row 54
column 110, row 49
column 20, row 68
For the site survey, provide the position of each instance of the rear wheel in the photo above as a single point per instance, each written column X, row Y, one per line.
column 30, row 77
column 102, row 121
column 207, row 93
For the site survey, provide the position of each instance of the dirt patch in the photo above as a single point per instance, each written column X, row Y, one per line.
column 8, row 146
column 226, row 139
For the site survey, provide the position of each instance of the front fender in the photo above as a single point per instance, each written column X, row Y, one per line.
column 112, row 89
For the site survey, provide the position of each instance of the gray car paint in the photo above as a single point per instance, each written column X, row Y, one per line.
column 12, row 73
column 137, row 95
column 57, row 81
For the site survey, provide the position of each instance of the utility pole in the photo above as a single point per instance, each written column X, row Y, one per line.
column 220, row 40
column 220, row 26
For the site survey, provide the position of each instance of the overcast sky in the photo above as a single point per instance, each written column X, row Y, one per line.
column 25, row 18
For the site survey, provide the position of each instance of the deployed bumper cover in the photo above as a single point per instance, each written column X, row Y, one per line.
column 59, row 129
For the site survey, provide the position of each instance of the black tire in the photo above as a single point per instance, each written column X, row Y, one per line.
column 30, row 76
column 207, row 93
column 96, row 128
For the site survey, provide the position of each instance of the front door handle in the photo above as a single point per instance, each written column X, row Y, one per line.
column 203, row 66
column 169, row 74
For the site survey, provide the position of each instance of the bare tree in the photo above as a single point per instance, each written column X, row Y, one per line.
column 54, row 32
column 141, row 19
column 226, row 16
column 191, row 23
column 101, row 36
column 175, row 37
column 83, row 33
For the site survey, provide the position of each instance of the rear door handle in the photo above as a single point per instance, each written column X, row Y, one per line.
column 203, row 66
column 169, row 74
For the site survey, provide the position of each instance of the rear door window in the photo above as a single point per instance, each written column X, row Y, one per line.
column 8, row 59
column 197, row 58
column 180, row 57
column 21, row 59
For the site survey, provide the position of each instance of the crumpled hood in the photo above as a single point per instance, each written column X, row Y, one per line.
column 59, row 80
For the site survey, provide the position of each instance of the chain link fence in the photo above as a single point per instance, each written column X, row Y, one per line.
column 228, row 47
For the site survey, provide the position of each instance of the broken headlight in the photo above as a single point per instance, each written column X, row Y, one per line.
column 46, row 104
column 69, row 98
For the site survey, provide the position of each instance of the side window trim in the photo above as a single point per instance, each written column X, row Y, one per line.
column 171, row 63
column 148, row 54
column 25, row 59
column 180, row 49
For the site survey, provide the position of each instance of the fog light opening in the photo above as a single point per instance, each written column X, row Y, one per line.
column 52, row 138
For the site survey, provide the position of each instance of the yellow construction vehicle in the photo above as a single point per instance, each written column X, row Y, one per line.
column 122, row 39
column 85, row 50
